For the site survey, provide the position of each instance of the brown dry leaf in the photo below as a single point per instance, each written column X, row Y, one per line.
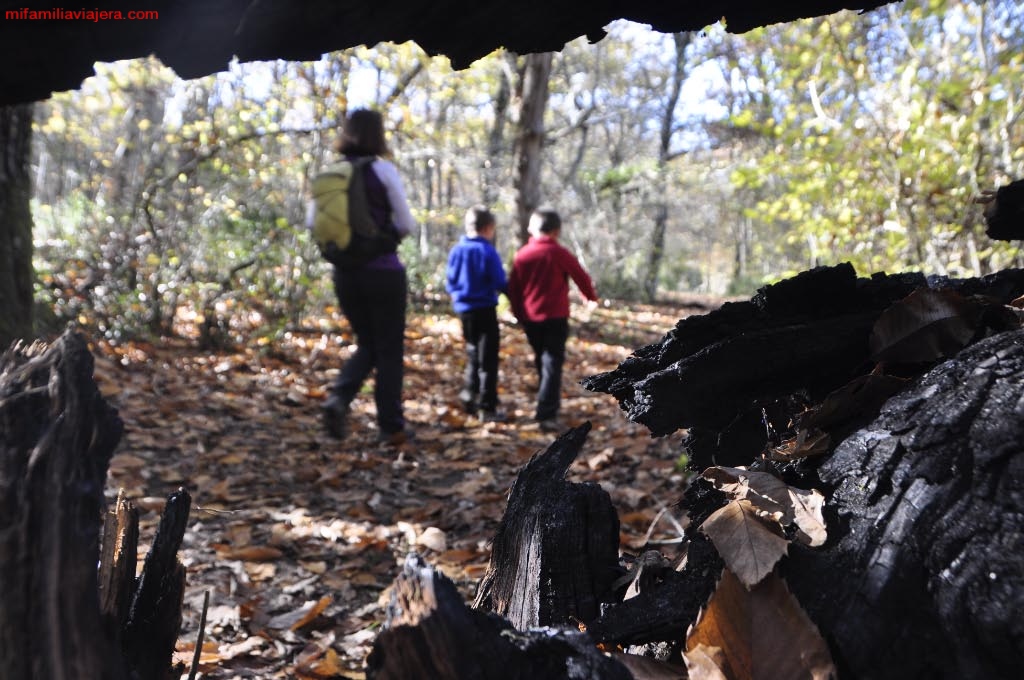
column 805, row 444
column 125, row 462
column 764, row 490
column 924, row 326
column 302, row 616
column 248, row 553
column 774, row 499
column 209, row 657
column 458, row 556
column 318, row 660
column 806, row 507
column 705, row 663
column 861, row 397
column 749, row 545
column 762, row 632
column 601, row 460
column 643, row 668
column 260, row 571
column 314, row 567
column 243, row 648
column 327, row 666
column 433, row 538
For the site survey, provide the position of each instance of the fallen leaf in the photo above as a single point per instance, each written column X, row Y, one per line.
column 209, row 657
column 260, row 571
column 762, row 633
column 766, row 492
column 432, row 538
column 459, row 556
column 805, row 444
column 705, row 663
column 302, row 616
column 807, row 507
column 774, row 499
column 860, row 399
column 242, row 648
column 326, row 666
column 924, row 326
column 749, row 545
column 248, row 553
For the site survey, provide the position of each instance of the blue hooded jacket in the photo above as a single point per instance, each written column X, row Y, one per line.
column 474, row 275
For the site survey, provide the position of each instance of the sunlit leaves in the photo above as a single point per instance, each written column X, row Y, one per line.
column 907, row 99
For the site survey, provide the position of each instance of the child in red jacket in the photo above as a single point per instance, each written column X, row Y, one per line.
column 538, row 288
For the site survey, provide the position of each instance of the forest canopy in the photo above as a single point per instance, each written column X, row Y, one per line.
column 704, row 162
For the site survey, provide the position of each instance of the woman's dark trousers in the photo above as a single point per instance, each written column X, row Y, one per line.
column 374, row 301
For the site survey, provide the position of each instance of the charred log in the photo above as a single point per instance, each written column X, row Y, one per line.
column 735, row 377
column 920, row 576
column 431, row 634
column 1004, row 212
column 58, row 617
column 923, row 577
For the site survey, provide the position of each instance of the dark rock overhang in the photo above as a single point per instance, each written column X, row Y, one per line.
column 199, row 37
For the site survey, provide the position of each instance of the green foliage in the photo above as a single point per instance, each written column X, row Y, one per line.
column 168, row 206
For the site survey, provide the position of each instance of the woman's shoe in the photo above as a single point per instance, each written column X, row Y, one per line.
column 396, row 438
column 335, row 415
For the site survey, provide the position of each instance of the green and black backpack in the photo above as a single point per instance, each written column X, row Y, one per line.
column 343, row 227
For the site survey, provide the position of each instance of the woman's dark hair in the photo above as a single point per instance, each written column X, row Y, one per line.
column 478, row 217
column 362, row 134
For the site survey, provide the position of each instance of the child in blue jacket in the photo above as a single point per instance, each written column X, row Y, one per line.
column 474, row 277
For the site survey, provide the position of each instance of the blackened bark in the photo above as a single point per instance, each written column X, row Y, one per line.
column 59, row 618
column 430, row 634
column 15, row 224
column 722, row 374
column 154, row 617
column 555, row 554
column 56, row 438
column 1004, row 214
column 923, row 574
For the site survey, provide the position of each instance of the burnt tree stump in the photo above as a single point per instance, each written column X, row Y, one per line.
column 430, row 634
column 555, row 555
column 59, row 618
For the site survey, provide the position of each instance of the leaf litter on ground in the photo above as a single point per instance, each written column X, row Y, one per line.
column 298, row 536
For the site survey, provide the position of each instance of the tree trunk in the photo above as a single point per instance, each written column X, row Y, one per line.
column 928, row 508
column 15, row 224
column 533, row 90
column 496, row 141
column 656, row 254
column 1004, row 212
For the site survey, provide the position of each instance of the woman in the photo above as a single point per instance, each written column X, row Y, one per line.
column 372, row 295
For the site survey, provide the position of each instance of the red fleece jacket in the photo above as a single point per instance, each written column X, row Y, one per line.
column 538, row 286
